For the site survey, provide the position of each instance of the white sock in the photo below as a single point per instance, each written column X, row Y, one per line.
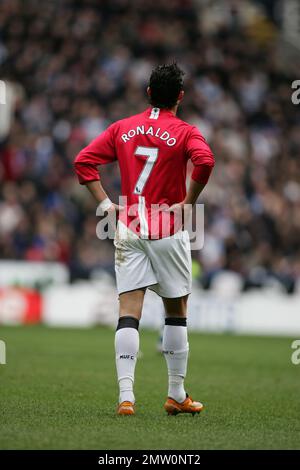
column 176, row 349
column 126, row 347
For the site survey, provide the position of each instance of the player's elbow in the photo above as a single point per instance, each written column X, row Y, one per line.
column 79, row 159
column 201, row 173
column 85, row 169
column 77, row 165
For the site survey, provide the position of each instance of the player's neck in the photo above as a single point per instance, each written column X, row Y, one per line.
column 174, row 109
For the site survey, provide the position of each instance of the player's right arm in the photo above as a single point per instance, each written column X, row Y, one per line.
column 198, row 151
column 194, row 191
column 200, row 154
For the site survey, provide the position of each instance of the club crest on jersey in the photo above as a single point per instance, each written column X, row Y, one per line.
column 150, row 130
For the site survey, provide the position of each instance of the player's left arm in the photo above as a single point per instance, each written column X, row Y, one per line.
column 99, row 152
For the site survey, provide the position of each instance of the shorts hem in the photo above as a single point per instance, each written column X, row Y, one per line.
column 171, row 296
column 123, row 291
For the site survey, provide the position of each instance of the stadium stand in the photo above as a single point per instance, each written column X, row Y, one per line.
column 73, row 67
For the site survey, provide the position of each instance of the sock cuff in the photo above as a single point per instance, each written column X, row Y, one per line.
column 128, row 322
column 175, row 321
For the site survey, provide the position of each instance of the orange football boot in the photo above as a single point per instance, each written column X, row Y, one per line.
column 126, row 408
column 172, row 407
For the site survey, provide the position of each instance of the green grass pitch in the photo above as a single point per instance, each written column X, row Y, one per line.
column 58, row 391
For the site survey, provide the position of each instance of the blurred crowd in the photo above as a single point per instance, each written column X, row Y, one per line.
column 73, row 67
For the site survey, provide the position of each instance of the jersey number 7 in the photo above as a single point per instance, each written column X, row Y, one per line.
column 151, row 154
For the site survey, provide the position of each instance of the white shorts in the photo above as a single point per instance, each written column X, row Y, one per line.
column 163, row 265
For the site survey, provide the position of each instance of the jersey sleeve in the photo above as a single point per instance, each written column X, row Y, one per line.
column 99, row 152
column 199, row 152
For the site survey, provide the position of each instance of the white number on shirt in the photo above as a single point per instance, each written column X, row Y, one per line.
column 151, row 153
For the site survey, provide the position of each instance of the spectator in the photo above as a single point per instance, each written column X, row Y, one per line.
column 78, row 66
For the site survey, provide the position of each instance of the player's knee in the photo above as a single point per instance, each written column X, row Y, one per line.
column 131, row 303
column 176, row 307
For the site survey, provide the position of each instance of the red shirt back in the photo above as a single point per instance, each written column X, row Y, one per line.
column 152, row 149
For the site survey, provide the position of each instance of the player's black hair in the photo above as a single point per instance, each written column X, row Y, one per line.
column 165, row 83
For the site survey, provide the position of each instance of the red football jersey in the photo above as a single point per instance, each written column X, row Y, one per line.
column 152, row 149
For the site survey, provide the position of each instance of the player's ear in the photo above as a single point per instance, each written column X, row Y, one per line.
column 180, row 96
column 149, row 92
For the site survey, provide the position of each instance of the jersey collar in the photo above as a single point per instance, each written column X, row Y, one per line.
column 153, row 111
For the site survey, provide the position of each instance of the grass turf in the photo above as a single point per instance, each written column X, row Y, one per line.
column 58, row 391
